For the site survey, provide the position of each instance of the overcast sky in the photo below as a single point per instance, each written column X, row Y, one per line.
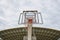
column 10, row 10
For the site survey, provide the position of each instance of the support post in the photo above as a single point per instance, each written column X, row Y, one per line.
column 29, row 29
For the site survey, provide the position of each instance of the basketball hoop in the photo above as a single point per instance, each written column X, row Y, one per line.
column 35, row 16
column 28, row 18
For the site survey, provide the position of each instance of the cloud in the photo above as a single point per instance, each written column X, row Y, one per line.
column 10, row 10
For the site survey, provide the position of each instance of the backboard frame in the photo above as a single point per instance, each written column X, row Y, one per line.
column 24, row 15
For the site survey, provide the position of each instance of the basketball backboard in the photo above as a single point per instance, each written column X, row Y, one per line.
column 34, row 15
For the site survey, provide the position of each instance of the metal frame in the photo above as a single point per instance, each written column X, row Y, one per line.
column 24, row 16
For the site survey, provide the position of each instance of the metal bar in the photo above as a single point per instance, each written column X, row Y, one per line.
column 38, row 18
column 19, row 18
column 41, row 18
column 29, row 29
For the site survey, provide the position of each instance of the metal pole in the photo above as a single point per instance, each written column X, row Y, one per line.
column 29, row 29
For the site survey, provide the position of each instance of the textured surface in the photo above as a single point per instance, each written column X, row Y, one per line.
column 40, row 33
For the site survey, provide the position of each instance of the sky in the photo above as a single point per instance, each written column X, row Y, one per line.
column 10, row 10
